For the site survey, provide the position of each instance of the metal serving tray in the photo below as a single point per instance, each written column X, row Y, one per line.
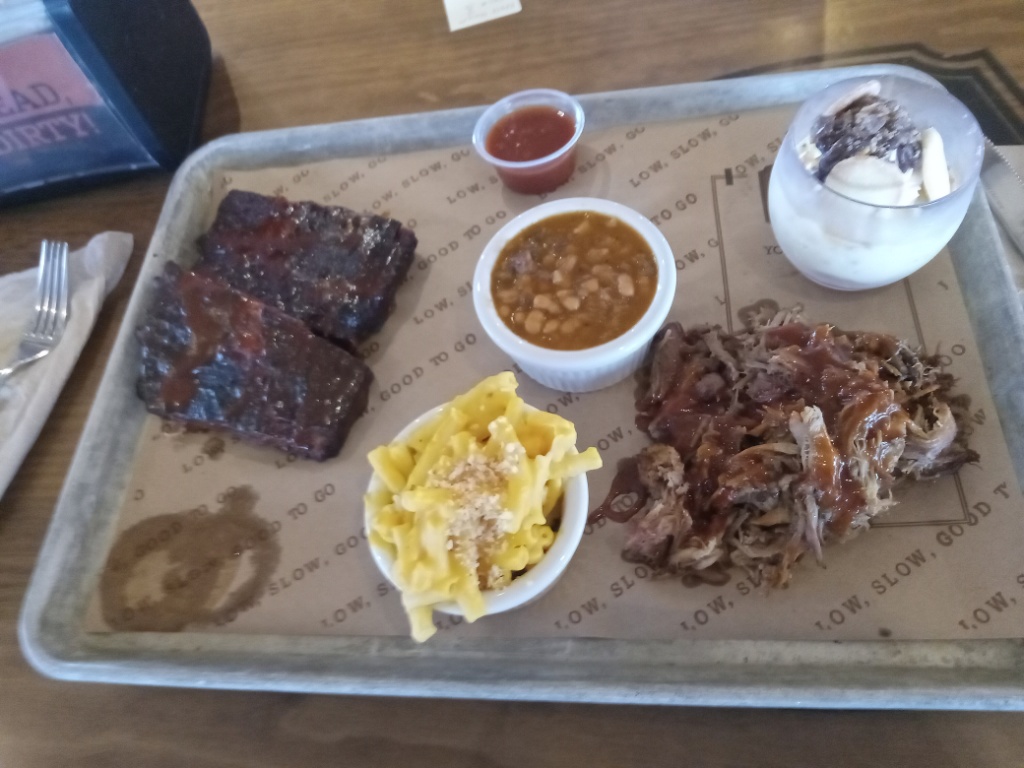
column 964, row 675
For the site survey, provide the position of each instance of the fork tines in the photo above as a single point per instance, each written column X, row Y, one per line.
column 52, row 293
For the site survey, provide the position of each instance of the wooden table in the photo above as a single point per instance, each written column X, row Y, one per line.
column 285, row 62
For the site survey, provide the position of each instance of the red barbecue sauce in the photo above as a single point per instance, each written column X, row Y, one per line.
column 532, row 133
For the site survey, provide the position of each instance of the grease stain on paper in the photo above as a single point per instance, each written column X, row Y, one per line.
column 189, row 568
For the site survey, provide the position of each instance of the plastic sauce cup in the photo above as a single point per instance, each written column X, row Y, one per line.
column 544, row 174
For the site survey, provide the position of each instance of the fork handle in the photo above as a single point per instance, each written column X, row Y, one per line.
column 4, row 376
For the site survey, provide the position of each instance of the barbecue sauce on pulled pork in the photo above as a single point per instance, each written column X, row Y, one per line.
column 774, row 440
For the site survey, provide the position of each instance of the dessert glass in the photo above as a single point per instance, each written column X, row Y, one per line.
column 847, row 244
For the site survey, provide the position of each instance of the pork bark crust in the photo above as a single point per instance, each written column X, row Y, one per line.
column 774, row 441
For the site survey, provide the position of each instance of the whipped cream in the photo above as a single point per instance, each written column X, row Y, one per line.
column 868, row 149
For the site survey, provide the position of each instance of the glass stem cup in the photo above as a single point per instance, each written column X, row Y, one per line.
column 847, row 244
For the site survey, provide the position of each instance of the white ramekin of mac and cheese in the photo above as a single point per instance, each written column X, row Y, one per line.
column 478, row 505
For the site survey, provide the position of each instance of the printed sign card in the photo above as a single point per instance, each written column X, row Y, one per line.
column 469, row 13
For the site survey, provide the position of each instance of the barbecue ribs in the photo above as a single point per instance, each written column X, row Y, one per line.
column 332, row 268
column 214, row 357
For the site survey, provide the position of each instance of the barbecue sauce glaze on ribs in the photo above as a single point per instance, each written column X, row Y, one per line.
column 213, row 357
column 332, row 268
column 256, row 339
column 774, row 441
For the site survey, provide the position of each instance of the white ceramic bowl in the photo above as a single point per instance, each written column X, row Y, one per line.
column 539, row 578
column 583, row 370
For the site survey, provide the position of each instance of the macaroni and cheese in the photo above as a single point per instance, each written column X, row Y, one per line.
column 470, row 499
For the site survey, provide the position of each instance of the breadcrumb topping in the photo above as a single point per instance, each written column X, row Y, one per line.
column 479, row 484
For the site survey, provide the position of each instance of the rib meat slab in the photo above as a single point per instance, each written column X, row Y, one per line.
column 332, row 268
column 214, row 357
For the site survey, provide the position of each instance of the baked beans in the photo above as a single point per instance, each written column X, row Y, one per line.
column 574, row 281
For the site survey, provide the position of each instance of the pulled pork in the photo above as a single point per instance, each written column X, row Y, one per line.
column 771, row 442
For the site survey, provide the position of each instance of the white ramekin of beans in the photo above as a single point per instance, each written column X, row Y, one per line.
column 573, row 290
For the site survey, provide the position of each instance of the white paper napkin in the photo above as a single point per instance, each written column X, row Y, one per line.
column 28, row 397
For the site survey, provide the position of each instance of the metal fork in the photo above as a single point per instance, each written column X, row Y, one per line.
column 45, row 330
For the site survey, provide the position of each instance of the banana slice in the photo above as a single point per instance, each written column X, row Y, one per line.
column 872, row 180
column 934, row 171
